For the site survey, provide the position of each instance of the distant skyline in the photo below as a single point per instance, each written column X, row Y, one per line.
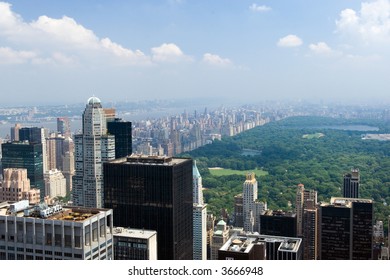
column 62, row 52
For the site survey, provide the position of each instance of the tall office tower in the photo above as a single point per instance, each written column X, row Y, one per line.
column 154, row 193
column 302, row 197
column 25, row 155
column 199, row 232
column 310, row 233
column 199, row 217
column 55, row 183
column 16, row 186
column 251, row 207
column 278, row 223
column 68, row 170
column 51, row 153
column 68, row 163
column 53, row 232
column 346, row 228
column 220, row 237
column 351, row 184
column 197, row 185
column 15, row 132
column 249, row 195
column 63, row 126
column 123, row 138
column 238, row 208
column 134, row 244
column 35, row 135
column 92, row 148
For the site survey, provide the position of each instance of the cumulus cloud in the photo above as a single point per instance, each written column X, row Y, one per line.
column 10, row 56
column 370, row 24
column 259, row 8
column 213, row 59
column 290, row 41
column 63, row 40
column 321, row 48
column 169, row 53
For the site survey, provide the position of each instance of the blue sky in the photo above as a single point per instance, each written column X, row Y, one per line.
column 62, row 52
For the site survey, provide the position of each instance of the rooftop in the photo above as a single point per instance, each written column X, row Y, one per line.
column 244, row 242
column 47, row 212
column 133, row 233
column 149, row 160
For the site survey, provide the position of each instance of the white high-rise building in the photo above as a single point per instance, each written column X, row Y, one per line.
column 251, row 207
column 199, row 217
column 197, row 185
column 55, row 183
column 92, row 148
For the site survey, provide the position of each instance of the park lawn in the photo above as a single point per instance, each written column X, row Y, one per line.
column 226, row 172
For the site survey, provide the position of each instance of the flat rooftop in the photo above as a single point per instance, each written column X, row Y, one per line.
column 49, row 212
column 133, row 233
column 244, row 243
column 344, row 201
column 149, row 160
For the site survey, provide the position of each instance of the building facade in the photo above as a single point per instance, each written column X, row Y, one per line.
column 154, row 193
column 351, row 184
column 55, row 183
column 123, row 138
column 28, row 156
column 134, row 244
column 52, row 232
column 346, row 229
column 16, row 186
column 92, row 148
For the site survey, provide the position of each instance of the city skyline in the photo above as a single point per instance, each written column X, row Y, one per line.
column 126, row 50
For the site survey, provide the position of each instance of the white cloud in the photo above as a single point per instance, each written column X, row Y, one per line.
column 73, row 41
column 257, row 8
column 169, row 53
column 214, row 59
column 370, row 24
column 290, row 41
column 321, row 48
column 10, row 56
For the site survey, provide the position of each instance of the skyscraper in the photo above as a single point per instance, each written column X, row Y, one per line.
column 251, row 207
column 307, row 220
column 92, row 148
column 63, row 126
column 154, row 193
column 351, row 184
column 123, row 139
column 302, row 198
column 199, row 217
column 35, row 135
column 25, row 155
column 15, row 132
column 346, row 229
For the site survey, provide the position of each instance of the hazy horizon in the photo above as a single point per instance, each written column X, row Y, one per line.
column 244, row 51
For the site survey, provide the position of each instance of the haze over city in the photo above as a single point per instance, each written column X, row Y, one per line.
column 64, row 52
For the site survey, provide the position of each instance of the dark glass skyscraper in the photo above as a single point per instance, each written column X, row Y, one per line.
column 153, row 193
column 123, row 140
column 25, row 155
column 351, row 184
column 31, row 134
column 346, row 229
